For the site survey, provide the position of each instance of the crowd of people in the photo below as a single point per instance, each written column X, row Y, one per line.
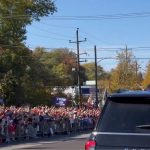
column 27, row 122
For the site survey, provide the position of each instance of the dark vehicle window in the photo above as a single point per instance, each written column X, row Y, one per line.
column 125, row 117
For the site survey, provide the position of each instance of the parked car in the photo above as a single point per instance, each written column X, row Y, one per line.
column 124, row 123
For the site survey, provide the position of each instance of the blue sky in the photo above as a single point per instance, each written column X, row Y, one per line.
column 104, row 33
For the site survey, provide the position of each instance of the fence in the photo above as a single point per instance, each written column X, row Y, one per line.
column 34, row 128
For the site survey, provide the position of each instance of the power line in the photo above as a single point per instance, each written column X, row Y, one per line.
column 43, row 36
column 47, row 31
column 107, row 49
column 57, row 26
column 95, row 17
column 90, row 35
column 119, row 48
column 103, row 58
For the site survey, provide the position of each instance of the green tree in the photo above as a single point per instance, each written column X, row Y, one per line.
column 16, row 62
column 15, row 15
column 60, row 62
column 90, row 71
column 7, row 86
column 61, row 66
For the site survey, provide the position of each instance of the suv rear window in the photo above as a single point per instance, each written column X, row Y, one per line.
column 125, row 115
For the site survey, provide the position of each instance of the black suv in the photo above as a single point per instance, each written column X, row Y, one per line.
column 124, row 123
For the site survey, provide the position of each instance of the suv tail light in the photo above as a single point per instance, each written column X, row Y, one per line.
column 90, row 145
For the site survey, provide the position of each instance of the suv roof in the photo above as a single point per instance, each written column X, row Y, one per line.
column 131, row 94
column 141, row 97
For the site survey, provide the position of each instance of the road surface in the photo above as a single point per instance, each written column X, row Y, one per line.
column 73, row 142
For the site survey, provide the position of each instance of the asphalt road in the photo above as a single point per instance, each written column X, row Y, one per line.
column 72, row 142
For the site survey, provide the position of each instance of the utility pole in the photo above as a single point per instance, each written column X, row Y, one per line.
column 96, row 90
column 126, row 55
column 136, row 68
column 78, row 61
column 136, row 72
column 126, row 63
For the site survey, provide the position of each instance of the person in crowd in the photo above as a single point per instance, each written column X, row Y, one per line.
column 27, row 122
